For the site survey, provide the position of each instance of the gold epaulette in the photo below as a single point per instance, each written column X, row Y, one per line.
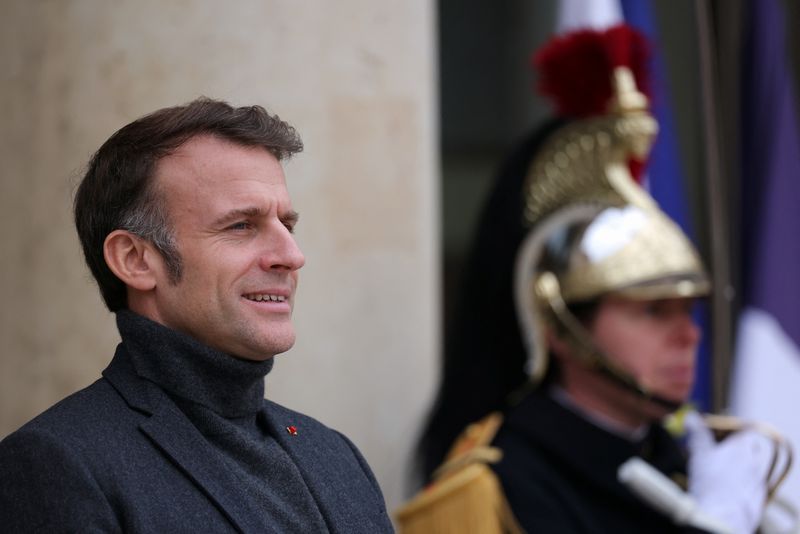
column 465, row 495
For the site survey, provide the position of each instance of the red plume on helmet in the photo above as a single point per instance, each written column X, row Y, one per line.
column 575, row 71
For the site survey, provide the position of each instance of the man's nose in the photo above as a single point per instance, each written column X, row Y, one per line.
column 280, row 251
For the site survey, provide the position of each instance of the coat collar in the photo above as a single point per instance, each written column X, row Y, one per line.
column 173, row 434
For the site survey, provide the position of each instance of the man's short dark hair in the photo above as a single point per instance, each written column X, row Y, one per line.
column 118, row 190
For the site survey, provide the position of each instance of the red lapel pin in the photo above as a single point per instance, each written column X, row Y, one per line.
column 292, row 430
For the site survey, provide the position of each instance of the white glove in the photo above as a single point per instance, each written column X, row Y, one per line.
column 656, row 489
column 728, row 479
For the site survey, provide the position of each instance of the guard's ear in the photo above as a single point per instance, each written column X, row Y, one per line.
column 132, row 259
column 559, row 346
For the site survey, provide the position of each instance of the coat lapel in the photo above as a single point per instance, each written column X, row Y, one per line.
column 176, row 437
column 303, row 445
column 341, row 488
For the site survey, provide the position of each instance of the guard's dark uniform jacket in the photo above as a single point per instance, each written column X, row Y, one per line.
column 559, row 471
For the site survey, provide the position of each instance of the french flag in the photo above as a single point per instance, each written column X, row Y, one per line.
column 766, row 378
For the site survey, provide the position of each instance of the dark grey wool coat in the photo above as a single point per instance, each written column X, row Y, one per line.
column 120, row 456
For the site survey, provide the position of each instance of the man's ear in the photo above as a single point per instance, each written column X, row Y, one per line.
column 131, row 259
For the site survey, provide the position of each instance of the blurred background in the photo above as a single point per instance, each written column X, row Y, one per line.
column 406, row 109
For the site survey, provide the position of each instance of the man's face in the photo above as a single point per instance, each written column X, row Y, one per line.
column 232, row 221
column 654, row 341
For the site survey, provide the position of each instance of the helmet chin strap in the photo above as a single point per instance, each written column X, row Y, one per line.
column 548, row 291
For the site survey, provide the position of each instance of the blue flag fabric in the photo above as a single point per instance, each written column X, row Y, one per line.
column 766, row 376
column 771, row 174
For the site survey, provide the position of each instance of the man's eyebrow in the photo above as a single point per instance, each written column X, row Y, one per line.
column 290, row 217
column 233, row 215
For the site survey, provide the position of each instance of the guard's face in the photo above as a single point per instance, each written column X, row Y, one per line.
column 654, row 341
column 232, row 220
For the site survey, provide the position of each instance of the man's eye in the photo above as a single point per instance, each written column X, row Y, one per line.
column 243, row 225
column 290, row 227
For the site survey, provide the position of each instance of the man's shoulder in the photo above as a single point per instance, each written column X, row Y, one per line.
column 89, row 404
column 66, row 438
column 46, row 472
column 95, row 414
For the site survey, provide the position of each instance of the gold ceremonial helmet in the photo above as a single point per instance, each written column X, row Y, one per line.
column 594, row 230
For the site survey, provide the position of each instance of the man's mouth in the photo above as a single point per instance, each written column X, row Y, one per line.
column 264, row 297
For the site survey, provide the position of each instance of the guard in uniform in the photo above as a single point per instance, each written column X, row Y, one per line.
column 601, row 285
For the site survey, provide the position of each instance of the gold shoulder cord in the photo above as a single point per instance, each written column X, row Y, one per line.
column 465, row 494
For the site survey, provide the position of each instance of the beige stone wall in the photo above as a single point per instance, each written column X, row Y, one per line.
column 356, row 78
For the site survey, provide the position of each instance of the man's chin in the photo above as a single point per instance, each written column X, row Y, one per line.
column 264, row 351
column 679, row 395
column 278, row 346
column 254, row 358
